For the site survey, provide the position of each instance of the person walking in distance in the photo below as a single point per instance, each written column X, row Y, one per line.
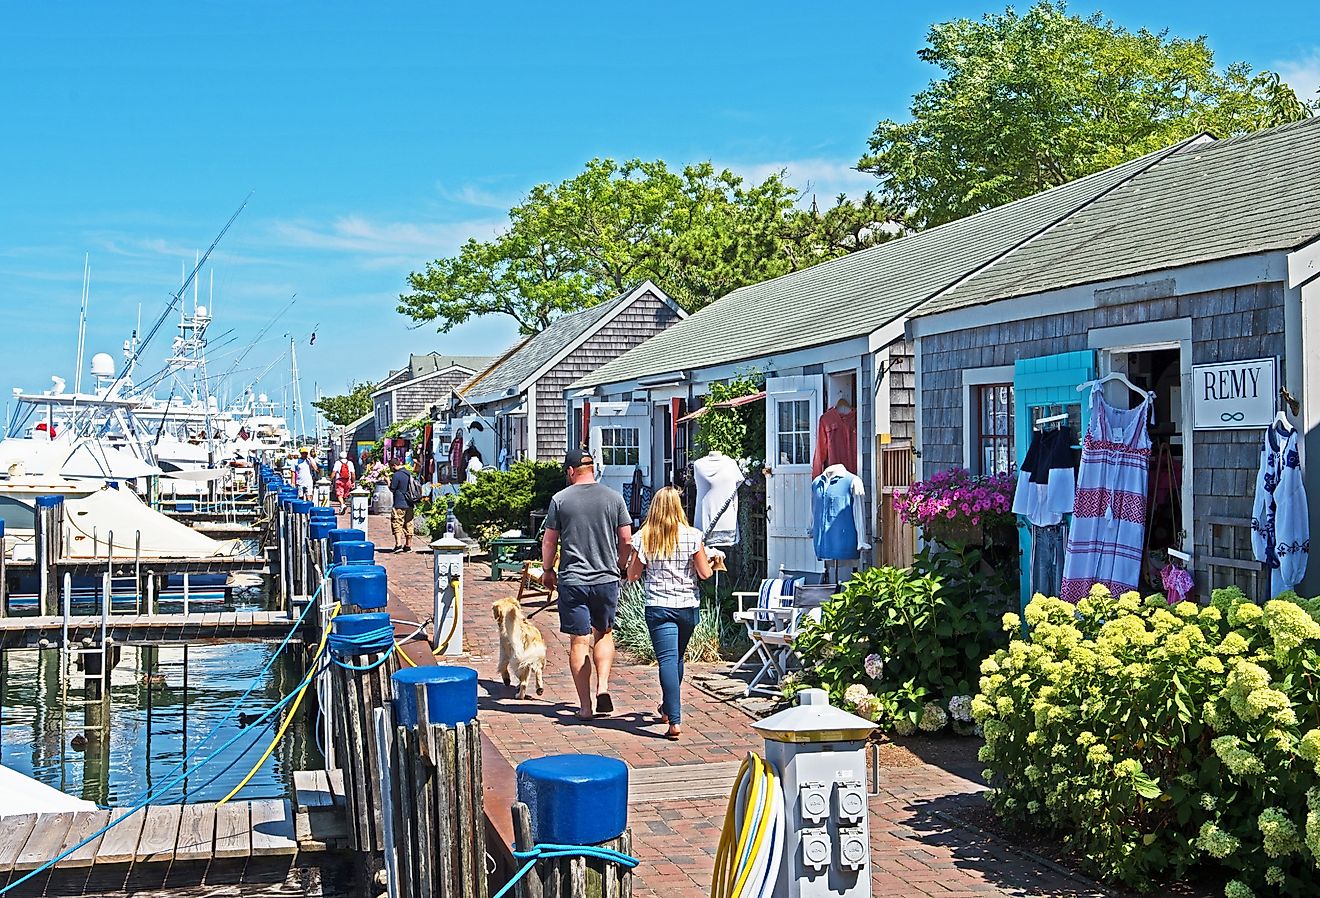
column 401, row 516
column 304, row 478
column 345, row 477
column 669, row 558
column 589, row 530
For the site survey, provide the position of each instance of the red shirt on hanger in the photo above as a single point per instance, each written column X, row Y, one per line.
column 836, row 441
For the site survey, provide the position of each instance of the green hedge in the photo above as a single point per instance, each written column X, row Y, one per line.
column 503, row 500
column 904, row 646
column 1154, row 738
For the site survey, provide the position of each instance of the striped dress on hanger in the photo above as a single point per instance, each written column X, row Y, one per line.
column 1106, row 542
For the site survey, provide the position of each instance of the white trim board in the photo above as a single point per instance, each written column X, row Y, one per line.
column 978, row 377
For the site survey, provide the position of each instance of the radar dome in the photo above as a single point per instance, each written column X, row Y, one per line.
column 201, row 312
column 103, row 365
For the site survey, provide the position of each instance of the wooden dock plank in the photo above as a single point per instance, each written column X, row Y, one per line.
column 119, row 845
column 312, row 788
column 14, row 832
column 233, row 830
column 45, row 840
column 159, row 834
column 272, row 828
column 196, row 832
column 84, row 824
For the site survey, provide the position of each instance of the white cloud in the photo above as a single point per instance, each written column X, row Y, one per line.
column 479, row 197
column 819, row 177
column 381, row 244
column 1302, row 74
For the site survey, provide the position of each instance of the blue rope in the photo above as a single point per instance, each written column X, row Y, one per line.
column 368, row 642
column 548, row 851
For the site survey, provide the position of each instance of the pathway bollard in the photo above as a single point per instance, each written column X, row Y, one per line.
column 439, row 824
column 362, row 646
column 448, row 555
column 819, row 752
column 359, row 505
column 578, row 800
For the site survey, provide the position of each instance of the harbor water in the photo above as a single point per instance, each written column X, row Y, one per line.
column 162, row 702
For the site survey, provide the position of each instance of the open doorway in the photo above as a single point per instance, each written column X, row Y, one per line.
column 1159, row 371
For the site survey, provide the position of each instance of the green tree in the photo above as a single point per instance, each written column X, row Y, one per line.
column 347, row 408
column 698, row 232
column 1030, row 101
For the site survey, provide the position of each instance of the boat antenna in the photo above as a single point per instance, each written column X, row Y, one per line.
column 82, row 325
column 176, row 300
column 260, row 334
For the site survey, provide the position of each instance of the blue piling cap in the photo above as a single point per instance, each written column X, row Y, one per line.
column 347, row 551
column 323, row 511
column 575, row 799
column 49, row 501
column 338, row 533
column 363, row 585
column 300, row 506
column 351, row 625
column 185, row 507
column 319, row 529
column 451, row 694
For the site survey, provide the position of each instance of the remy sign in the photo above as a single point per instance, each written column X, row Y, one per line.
column 1229, row 395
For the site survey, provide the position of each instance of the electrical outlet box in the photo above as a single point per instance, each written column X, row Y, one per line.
column 849, row 802
column 816, row 849
column 853, row 849
column 814, row 799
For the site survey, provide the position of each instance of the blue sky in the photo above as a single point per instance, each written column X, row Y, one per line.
column 374, row 137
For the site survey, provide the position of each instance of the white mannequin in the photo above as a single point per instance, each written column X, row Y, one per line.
column 717, row 477
column 859, row 492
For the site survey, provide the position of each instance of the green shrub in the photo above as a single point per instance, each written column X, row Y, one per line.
column 502, row 500
column 738, row 432
column 712, row 640
column 897, row 641
column 1156, row 738
column 434, row 512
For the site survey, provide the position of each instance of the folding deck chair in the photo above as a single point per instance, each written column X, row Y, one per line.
column 771, row 625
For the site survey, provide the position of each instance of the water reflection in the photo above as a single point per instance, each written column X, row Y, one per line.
column 161, row 701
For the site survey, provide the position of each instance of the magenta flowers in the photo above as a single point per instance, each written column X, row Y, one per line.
column 955, row 494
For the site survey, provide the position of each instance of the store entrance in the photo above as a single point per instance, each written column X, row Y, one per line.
column 1159, row 371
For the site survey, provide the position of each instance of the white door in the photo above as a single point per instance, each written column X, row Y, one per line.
column 792, row 411
column 621, row 442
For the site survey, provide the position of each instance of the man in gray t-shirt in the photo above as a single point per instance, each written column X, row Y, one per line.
column 589, row 526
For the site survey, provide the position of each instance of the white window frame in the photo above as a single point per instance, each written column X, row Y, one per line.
column 974, row 378
column 635, row 447
column 794, row 397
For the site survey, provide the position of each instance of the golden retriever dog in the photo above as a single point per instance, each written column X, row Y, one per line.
column 521, row 647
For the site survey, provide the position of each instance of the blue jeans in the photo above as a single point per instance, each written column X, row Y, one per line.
column 670, row 629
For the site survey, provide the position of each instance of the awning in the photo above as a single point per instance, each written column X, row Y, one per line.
column 727, row 403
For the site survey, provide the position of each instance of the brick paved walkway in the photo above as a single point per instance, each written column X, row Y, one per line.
column 916, row 849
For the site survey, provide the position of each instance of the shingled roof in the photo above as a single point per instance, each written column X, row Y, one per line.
column 1217, row 200
column 853, row 295
column 531, row 355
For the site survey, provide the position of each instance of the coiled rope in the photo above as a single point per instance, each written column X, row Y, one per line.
column 550, row 850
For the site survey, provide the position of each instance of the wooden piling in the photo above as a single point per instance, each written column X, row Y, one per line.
column 576, row 877
column 355, row 696
column 439, row 817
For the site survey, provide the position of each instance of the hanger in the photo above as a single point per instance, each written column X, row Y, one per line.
column 1114, row 375
column 1040, row 423
column 1281, row 421
column 843, row 405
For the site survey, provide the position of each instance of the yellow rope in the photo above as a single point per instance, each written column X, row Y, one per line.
column 288, row 718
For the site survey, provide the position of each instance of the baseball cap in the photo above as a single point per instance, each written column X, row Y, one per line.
column 578, row 458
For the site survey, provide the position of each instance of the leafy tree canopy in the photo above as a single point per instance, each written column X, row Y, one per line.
column 698, row 232
column 346, row 409
column 1030, row 101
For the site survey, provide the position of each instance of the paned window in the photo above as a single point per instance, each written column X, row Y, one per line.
column 794, row 420
column 994, row 429
column 620, row 446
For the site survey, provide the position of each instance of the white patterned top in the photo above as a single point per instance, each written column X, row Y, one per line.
column 671, row 582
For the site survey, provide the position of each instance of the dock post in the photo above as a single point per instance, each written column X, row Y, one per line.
column 360, row 683
column 4, row 573
column 439, row 824
column 48, row 541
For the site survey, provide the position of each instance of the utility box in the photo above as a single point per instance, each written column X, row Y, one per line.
column 820, row 753
column 448, row 555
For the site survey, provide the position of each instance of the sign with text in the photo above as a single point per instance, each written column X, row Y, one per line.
column 1234, row 395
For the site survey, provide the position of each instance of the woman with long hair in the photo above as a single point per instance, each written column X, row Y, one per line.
column 669, row 559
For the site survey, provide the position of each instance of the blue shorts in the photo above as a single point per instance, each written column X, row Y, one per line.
column 586, row 607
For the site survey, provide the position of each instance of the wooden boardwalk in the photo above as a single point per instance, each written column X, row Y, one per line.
column 147, row 629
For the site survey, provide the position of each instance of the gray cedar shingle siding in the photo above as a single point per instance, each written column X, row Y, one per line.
column 412, row 399
column 1239, row 323
column 902, row 392
column 644, row 318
